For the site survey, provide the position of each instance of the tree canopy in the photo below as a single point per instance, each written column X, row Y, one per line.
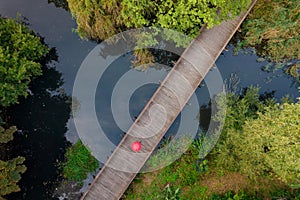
column 100, row 19
column 20, row 51
column 11, row 170
column 10, row 175
column 272, row 143
column 261, row 138
column 273, row 28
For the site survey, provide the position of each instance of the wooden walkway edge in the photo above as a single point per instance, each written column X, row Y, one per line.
column 161, row 110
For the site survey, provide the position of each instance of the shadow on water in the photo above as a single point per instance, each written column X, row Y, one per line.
column 41, row 120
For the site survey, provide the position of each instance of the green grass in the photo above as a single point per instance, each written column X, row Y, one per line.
column 167, row 183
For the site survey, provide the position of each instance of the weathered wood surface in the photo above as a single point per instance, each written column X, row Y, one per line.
column 164, row 106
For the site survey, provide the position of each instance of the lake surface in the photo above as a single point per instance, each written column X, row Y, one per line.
column 43, row 119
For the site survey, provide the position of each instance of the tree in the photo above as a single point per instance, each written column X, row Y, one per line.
column 20, row 51
column 271, row 143
column 10, row 175
column 273, row 29
column 102, row 19
column 261, row 138
column 188, row 16
column 11, row 170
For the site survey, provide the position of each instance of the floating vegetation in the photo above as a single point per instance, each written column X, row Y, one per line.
column 293, row 70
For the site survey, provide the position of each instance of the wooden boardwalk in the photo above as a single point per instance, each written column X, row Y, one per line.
column 163, row 108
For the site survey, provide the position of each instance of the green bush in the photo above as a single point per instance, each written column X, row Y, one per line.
column 20, row 53
column 11, row 170
column 261, row 138
column 270, row 144
column 273, row 28
column 79, row 162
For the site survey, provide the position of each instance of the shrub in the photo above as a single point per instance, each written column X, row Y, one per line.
column 79, row 162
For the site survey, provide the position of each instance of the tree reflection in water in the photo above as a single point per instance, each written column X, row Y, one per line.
column 41, row 119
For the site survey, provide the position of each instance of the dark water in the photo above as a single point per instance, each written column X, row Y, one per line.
column 42, row 118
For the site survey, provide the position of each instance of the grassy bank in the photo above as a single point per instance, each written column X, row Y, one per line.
column 223, row 174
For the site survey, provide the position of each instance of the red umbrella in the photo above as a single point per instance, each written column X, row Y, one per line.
column 136, row 146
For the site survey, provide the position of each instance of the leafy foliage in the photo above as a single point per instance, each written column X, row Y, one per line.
column 272, row 143
column 60, row 3
column 242, row 107
column 239, row 109
column 171, row 194
column 294, row 71
column 79, row 162
column 102, row 19
column 7, row 135
column 205, row 179
column 273, row 28
column 261, row 138
column 96, row 19
column 99, row 20
column 20, row 51
column 188, row 16
column 10, row 175
column 11, row 170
